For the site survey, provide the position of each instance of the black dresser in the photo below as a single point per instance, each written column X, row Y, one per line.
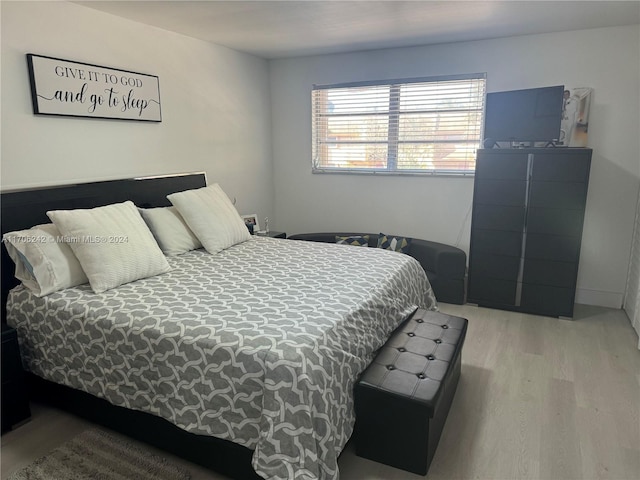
column 526, row 228
column 15, row 401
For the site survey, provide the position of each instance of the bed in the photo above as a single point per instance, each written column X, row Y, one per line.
column 249, row 354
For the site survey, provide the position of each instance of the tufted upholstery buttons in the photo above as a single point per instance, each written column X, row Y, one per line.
column 421, row 376
column 411, row 351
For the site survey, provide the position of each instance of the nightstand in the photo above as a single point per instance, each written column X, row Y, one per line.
column 272, row 234
column 15, row 401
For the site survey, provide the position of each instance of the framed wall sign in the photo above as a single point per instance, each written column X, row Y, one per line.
column 63, row 87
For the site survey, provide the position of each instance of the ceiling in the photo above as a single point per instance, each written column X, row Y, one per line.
column 287, row 28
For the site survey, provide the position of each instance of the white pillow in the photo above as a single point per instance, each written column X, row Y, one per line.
column 170, row 230
column 112, row 243
column 211, row 216
column 44, row 262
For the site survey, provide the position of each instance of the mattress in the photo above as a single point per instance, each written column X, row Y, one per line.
column 260, row 344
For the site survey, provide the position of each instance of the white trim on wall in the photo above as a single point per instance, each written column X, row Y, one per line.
column 632, row 296
column 599, row 298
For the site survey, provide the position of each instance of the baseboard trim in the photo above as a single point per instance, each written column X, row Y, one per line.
column 599, row 298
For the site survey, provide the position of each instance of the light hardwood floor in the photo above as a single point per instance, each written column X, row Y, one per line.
column 539, row 398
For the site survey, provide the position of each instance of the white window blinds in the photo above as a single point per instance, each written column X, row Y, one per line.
column 429, row 126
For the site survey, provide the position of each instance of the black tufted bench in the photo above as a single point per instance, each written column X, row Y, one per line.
column 402, row 399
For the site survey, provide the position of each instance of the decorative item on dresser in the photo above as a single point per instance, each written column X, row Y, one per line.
column 15, row 401
column 526, row 228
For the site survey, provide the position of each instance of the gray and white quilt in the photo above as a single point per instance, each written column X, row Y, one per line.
column 259, row 344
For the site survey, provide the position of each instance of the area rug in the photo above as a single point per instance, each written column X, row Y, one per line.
column 97, row 455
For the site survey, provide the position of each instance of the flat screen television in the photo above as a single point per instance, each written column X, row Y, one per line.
column 531, row 115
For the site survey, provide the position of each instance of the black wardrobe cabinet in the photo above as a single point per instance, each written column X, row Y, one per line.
column 526, row 228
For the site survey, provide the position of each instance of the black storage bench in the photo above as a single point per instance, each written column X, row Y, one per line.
column 402, row 399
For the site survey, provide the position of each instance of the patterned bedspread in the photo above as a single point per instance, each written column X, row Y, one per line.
column 259, row 344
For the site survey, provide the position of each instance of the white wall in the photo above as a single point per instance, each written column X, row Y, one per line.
column 217, row 118
column 215, row 106
column 438, row 208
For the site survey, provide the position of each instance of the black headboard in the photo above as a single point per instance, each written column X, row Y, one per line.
column 23, row 209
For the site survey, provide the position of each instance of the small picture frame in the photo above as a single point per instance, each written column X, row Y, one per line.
column 251, row 221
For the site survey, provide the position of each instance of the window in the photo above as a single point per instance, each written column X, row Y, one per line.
column 428, row 125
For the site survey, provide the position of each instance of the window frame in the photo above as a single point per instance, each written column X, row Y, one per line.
column 393, row 132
